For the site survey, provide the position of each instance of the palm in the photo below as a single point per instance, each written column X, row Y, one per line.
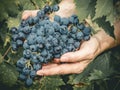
column 80, row 59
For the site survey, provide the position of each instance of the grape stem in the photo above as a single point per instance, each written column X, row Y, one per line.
column 6, row 52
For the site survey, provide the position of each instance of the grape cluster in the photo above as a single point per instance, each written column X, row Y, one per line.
column 43, row 40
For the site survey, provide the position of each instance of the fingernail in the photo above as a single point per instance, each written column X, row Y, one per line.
column 63, row 59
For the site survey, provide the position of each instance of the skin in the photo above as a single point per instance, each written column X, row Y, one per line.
column 76, row 62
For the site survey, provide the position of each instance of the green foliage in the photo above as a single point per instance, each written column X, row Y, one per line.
column 103, row 8
column 1, row 58
column 8, row 74
column 99, row 74
column 84, row 9
column 8, row 8
column 51, row 83
column 97, row 9
column 105, row 25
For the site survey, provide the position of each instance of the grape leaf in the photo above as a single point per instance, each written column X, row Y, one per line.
column 89, row 87
column 102, row 63
column 27, row 5
column 51, row 83
column 110, row 18
column 1, row 58
column 85, row 8
column 6, row 12
column 96, row 74
column 105, row 25
column 8, row 74
column 13, row 22
column 103, row 8
column 40, row 3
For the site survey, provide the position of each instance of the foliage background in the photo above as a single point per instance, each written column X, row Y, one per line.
column 102, row 74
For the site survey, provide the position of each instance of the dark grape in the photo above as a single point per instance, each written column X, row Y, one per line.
column 64, row 21
column 14, row 47
column 22, row 77
column 86, row 31
column 36, row 67
column 21, row 62
column 74, row 30
column 26, row 71
column 79, row 36
column 80, row 26
column 29, row 82
column 32, row 73
column 27, row 53
column 19, row 42
column 86, row 38
column 14, row 30
column 47, row 9
column 55, row 8
column 57, row 18
column 15, row 37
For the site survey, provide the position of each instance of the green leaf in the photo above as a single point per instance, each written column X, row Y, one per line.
column 85, row 8
column 89, row 87
column 40, row 3
column 103, row 8
column 13, row 22
column 110, row 18
column 105, row 25
column 96, row 74
column 1, row 58
column 8, row 74
column 101, row 63
column 51, row 83
column 27, row 5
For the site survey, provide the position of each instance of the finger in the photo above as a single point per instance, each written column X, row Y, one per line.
column 56, row 60
column 49, row 65
column 77, row 67
column 75, row 56
column 29, row 13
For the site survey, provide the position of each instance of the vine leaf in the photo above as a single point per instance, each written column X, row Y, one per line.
column 85, row 8
column 1, row 58
column 105, row 25
column 103, row 66
column 110, row 18
column 103, row 8
column 13, row 22
column 51, row 83
column 8, row 74
column 27, row 5
column 96, row 74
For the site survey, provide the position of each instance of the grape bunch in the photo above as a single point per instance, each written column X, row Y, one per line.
column 43, row 40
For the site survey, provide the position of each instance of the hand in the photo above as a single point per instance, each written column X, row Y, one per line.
column 76, row 62
column 71, row 62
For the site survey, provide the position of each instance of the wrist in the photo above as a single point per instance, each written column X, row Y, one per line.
column 105, row 41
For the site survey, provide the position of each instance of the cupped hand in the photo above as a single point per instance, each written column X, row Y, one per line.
column 71, row 62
